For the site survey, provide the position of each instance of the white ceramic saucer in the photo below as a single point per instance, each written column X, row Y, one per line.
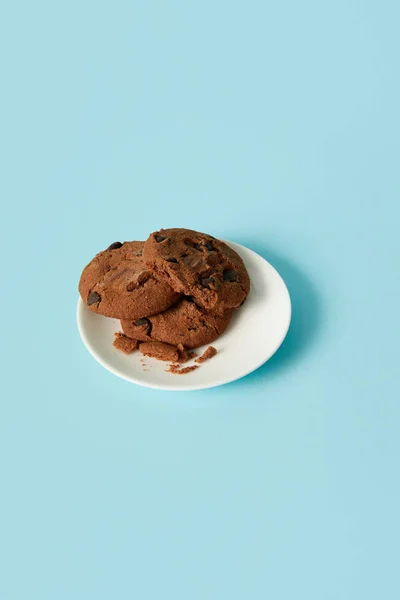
column 253, row 336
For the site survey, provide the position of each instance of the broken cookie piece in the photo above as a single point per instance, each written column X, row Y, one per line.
column 184, row 355
column 207, row 354
column 198, row 265
column 124, row 343
column 160, row 351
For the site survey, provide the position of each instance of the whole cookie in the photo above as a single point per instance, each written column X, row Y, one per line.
column 200, row 266
column 184, row 323
column 117, row 283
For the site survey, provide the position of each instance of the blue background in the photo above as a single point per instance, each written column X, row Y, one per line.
column 274, row 124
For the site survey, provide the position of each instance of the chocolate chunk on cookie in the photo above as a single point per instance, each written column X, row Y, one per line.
column 114, row 246
column 117, row 283
column 184, row 323
column 93, row 298
column 198, row 265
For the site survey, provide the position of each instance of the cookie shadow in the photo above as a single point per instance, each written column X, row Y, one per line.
column 307, row 312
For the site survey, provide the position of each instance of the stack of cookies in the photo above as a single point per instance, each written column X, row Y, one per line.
column 174, row 292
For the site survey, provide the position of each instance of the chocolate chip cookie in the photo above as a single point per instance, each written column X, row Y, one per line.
column 117, row 283
column 184, row 323
column 198, row 265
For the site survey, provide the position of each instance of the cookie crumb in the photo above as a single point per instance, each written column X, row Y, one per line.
column 160, row 351
column 176, row 370
column 207, row 354
column 125, row 344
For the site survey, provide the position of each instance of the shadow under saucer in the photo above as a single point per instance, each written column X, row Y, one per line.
column 307, row 313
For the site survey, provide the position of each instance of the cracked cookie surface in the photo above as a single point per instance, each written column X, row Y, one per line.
column 198, row 265
column 184, row 323
column 117, row 283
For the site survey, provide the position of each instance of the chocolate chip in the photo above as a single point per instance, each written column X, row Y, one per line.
column 160, row 238
column 171, row 260
column 140, row 322
column 114, row 246
column 144, row 321
column 191, row 244
column 204, row 244
column 230, row 275
column 93, row 298
column 206, row 281
column 189, row 298
column 143, row 277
